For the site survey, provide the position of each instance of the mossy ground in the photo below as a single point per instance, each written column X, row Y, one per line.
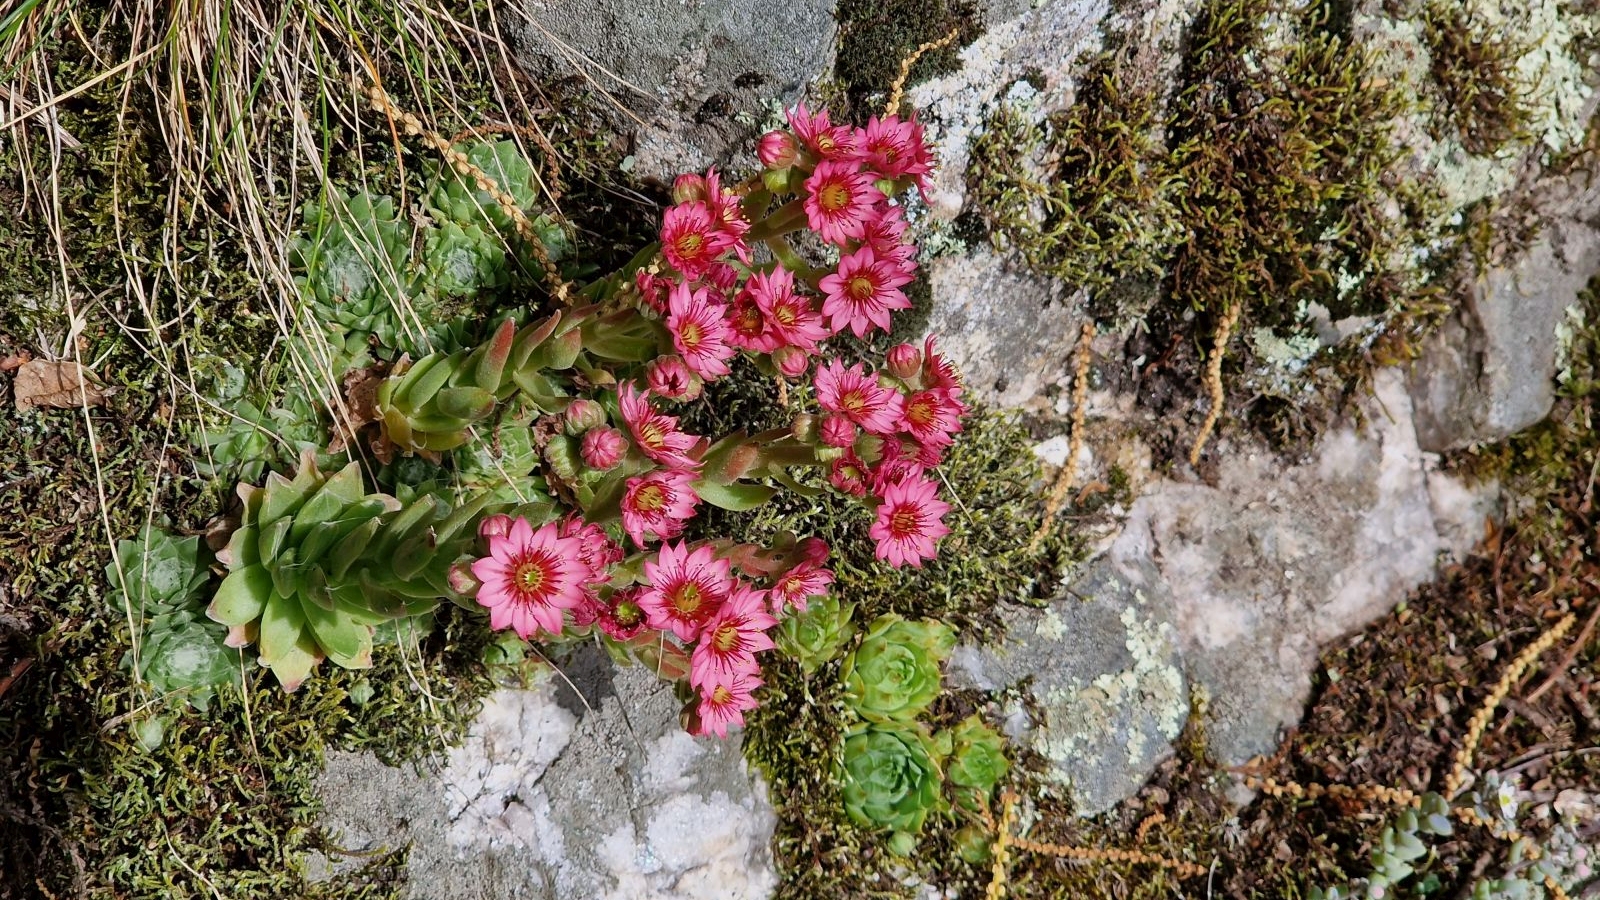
column 225, row 805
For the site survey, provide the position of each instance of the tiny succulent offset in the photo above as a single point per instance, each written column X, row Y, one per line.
column 544, row 475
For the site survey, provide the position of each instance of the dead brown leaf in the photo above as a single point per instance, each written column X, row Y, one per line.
column 56, row 383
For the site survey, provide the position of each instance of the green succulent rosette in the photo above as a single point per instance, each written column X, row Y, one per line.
column 977, row 762
column 353, row 265
column 456, row 197
column 889, row 777
column 156, row 579
column 464, row 259
column 815, row 637
column 893, row 675
column 317, row 562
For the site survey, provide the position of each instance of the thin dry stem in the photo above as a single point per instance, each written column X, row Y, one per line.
column 897, row 91
column 999, row 869
column 1069, row 468
column 1367, row 793
column 412, row 126
column 1213, row 380
column 1480, row 719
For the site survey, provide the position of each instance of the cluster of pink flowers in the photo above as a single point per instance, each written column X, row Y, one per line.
column 705, row 609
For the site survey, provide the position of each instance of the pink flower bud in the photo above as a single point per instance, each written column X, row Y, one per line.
column 671, row 377
column 815, row 550
column 741, row 461
column 791, row 361
column 777, row 150
column 495, row 526
column 838, row 431
column 582, row 415
column 461, row 579
column 905, row 361
column 602, row 448
column 688, row 188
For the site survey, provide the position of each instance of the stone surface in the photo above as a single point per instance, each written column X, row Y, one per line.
column 691, row 73
column 553, row 796
column 1489, row 372
column 1232, row 587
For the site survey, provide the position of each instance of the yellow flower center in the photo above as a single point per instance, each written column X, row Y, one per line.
column 689, row 245
column 529, row 576
column 726, row 639
column 853, row 400
column 833, row 196
column 860, row 288
column 920, row 412
column 650, row 498
column 686, row 600
column 690, row 335
column 720, row 695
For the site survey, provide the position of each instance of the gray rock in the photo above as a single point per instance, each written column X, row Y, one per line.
column 554, row 796
column 1489, row 372
column 1231, row 588
column 684, row 68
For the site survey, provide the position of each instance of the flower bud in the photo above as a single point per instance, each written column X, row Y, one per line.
column 688, row 188
column 804, row 428
column 582, row 415
column 602, row 448
column 905, row 361
column 837, row 431
column 791, row 361
column 461, row 579
column 777, row 150
column 495, row 526
column 815, row 550
column 671, row 377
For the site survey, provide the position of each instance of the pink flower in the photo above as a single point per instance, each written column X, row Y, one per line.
column 932, row 417
column 656, row 505
column 838, row 431
column 794, row 587
column 897, row 462
column 657, row 435
column 691, row 239
column 596, row 550
column 698, row 331
column 849, row 474
column 621, row 618
column 668, row 377
column 894, row 149
column 792, row 318
column 777, row 150
column 652, row 290
column 529, row 578
column 909, row 523
column 686, row 588
column 840, row 199
column 886, row 235
column 602, row 448
column 747, row 325
column 864, row 292
column 937, row 372
column 725, row 704
column 731, row 640
column 823, row 138
column 921, row 164
column 728, row 213
column 858, row 397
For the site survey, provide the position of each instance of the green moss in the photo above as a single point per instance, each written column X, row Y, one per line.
column 875, row 36
column 1474, row 68
column 1087, row 194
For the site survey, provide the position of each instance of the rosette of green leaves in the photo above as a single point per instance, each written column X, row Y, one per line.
column 815, row 637
column 889, row 777
column 156, row 581
column 893, row 675
column 429, row 405
column 353, row 261
column 317, row 562
column 454, row 197
column 976, row 763
column 464, row 259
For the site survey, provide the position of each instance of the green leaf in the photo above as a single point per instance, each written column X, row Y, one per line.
column 736, row 497
column 346, row 642
column 242, row 596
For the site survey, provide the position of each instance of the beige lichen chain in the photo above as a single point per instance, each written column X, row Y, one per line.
column 413, row 127
column 897, row 91
column 1213, row 380
column 1004, row 840
column 552, row 173
column 1480, row 719
column 1069, row 468
column 1368, row 793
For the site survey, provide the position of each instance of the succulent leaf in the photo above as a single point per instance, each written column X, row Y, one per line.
column 889, row 777
column 894, row 674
